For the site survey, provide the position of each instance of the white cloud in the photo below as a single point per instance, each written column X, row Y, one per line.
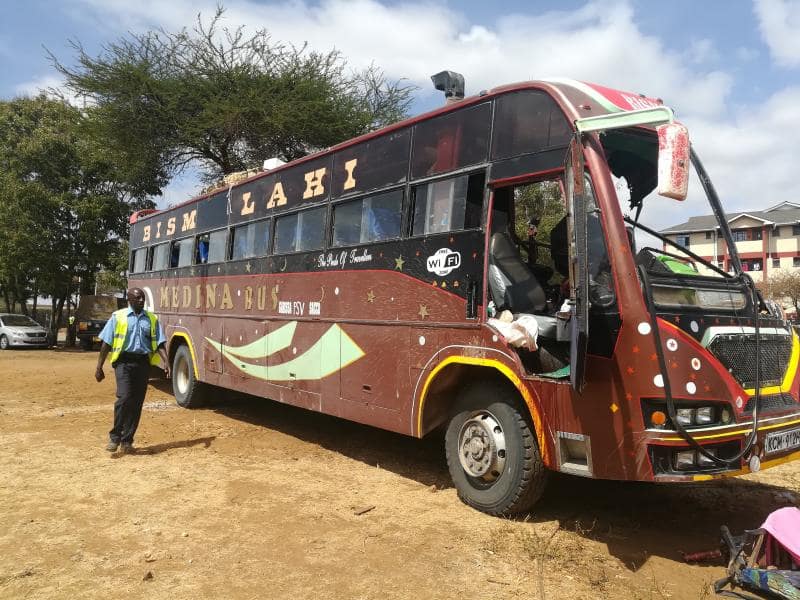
column 747, row 157
column 745, row 54
column 779, row 21
column 34, row 87
column 598, row 42
column 702, row 51
column 51, row 86
column 179, row 190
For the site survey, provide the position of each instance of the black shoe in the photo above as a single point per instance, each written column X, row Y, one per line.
column 112, row 446
column 127, row 448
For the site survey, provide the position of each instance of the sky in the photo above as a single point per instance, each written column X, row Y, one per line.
column 729, row 68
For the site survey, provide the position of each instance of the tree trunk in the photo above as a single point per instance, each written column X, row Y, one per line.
column 35, row 303
column 55, row 317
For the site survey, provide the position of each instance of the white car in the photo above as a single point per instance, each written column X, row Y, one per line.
column 19, row 330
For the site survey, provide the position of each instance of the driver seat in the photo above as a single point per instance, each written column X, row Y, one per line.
column 511, row 281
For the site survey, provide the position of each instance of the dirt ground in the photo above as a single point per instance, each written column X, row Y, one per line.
column 252, row 499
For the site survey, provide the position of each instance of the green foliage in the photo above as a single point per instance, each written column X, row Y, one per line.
column 542, row 200
column 112, row 278
column 63, row 205
column 224, row 99
column 784, row 284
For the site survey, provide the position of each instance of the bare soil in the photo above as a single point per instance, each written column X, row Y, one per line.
column 253, row 499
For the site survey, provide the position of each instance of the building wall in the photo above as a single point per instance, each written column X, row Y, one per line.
column 758, row 254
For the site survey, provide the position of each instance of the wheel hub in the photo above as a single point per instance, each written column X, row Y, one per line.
column 482, row 446
column 181, row 376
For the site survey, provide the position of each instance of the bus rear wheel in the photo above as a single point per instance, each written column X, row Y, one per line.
column 188, row 391
column 492, row 453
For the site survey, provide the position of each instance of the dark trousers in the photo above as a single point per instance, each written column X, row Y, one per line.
column 132, row 374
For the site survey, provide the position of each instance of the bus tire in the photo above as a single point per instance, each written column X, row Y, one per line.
column 492, row 453
column 188, row 391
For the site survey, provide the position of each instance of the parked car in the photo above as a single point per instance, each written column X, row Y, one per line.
column 91, row 317
column 22, row 331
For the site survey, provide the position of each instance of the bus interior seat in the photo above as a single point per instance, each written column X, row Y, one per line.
column 513, row 284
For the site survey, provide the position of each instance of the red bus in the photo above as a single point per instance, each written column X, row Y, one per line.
column 389, row 280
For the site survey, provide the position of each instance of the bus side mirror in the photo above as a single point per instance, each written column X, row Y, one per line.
column 673, row 161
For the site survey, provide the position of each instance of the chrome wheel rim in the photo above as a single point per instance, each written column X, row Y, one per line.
column 482, row 447
column 181, row 375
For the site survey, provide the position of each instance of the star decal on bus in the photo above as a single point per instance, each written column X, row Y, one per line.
column 332, row 352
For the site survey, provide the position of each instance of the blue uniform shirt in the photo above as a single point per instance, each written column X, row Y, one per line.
column 137, row 336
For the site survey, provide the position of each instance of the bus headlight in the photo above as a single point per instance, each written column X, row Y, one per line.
column 704, row 461
column 684, row 460
column 723, row 299
column 667, row 295
column 685, row 416
column 704, row 415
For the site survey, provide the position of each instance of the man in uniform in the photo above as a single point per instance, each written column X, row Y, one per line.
column 135, row 339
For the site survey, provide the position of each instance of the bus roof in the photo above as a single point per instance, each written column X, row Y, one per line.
column 576, row 97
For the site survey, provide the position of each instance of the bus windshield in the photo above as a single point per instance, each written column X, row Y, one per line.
column 632, row 156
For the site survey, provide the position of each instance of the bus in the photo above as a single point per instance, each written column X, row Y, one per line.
column 389, row 280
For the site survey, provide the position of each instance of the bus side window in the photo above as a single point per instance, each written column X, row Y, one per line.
column 181, row 253
column 174, row 255
column 201, row 257
column 139, row 260
column 369, row 219
column 451, row 141
column 161, row 256
column 217, row 246
column 527, row 121
column 448, row 205
column 304, row 230
column 250, row 240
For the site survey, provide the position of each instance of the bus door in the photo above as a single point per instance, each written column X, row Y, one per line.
column 578, row 261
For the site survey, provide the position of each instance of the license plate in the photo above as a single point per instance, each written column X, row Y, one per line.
column 782, row 441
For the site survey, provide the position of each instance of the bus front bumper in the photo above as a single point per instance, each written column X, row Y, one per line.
column 673, row 459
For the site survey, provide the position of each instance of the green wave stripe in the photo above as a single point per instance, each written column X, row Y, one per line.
column 265, row 346
column 332, row 352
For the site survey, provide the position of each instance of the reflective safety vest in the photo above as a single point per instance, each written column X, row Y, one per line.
column 121, row 328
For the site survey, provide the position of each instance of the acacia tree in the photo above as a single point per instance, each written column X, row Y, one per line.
column 63, row 205
column 785, row 284
column 226, row 100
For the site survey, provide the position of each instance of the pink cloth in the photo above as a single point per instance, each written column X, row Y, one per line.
column 784, row 525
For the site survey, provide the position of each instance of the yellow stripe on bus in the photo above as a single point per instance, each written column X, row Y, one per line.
column 510, row 375
column 791, row 371
column 764, row 465
column 180, row 334
column 729, row 433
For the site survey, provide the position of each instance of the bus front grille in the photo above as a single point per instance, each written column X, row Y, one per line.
column 737, row 352
column 771, row 403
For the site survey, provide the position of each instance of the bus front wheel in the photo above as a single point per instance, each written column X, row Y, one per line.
column 492, row 453
column 187, row 389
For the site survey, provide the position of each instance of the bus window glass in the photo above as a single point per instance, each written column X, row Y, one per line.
column 202, row 249
column 139, row 260
column 377, row 163
column 181, row 255
column 250, row 240
column 300, row 231
column 370, row 219
column 526, row 122
column 448, row 205
column 161, row 257
column 211, row 247
column 452, row 141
